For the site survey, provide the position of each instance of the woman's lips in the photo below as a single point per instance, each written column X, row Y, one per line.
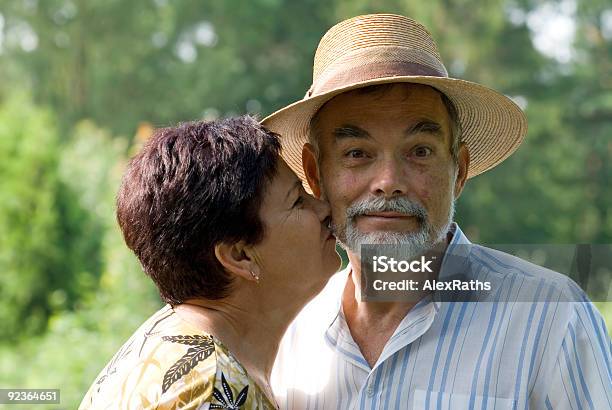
column 329, row 235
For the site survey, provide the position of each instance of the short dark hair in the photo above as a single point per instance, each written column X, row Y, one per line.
column 382, row 89
column 189, row 188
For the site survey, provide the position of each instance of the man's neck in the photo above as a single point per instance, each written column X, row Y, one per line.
column 372, row 323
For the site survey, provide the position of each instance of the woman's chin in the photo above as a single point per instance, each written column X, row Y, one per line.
column 332, row 265
column 336, row 265
column 314, row 279
column 319, row 280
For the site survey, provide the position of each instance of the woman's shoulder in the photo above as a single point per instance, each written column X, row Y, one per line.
column 234, row 389
column 164, row 361
column 169, row 364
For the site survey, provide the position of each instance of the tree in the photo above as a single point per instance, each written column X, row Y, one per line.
column 49, row 244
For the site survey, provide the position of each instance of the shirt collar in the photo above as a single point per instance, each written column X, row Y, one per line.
column 454, row 261
column 456, row 254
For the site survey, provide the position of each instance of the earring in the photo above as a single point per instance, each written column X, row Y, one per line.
column 255, row 276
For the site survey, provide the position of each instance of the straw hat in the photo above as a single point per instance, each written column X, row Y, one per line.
column 387, row 48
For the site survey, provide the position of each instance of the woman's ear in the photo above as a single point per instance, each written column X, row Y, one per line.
column 236, row 259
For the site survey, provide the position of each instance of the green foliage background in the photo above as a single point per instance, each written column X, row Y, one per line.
column 81, row 80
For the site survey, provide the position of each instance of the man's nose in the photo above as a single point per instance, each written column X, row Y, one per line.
column 389, row 179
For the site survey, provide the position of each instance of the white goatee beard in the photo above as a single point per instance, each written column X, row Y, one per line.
column 412, row 244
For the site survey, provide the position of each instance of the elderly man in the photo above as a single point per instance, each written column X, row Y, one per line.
column 390, row 142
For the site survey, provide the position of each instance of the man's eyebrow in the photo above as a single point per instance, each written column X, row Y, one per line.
column 350, row 131
column 426, row 126
column 296, row 185
column 353, row 131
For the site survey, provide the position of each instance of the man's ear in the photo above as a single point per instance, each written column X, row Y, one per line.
column 311, row 169
column 236, row 259
column 463, row 165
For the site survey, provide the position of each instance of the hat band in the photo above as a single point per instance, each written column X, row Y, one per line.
column 375, row 70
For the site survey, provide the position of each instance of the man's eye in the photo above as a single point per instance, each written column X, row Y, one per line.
column 355, row 153
column 422, row 151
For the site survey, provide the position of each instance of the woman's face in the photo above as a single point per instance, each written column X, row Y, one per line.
column 298, row 252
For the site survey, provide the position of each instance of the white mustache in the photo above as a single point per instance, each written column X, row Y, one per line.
column 400, row 205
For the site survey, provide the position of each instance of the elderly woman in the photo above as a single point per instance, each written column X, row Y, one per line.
column 236, row 248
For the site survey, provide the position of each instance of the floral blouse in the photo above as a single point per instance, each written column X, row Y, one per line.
column 170, row 364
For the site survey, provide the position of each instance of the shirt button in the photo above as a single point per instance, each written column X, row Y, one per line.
column 370, row 391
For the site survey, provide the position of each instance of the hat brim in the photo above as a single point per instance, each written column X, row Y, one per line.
column 492, row 125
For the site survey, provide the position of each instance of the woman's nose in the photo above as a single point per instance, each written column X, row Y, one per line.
column 322, row 209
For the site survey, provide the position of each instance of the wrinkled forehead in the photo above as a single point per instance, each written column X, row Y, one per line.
column 383, row 105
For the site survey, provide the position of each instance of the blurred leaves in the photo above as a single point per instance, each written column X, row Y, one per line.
column 65, row 270
column 49, row 244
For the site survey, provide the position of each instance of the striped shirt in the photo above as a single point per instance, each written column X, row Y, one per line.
column 496, row 353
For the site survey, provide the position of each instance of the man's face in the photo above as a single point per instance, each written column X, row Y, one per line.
column 386, row 168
